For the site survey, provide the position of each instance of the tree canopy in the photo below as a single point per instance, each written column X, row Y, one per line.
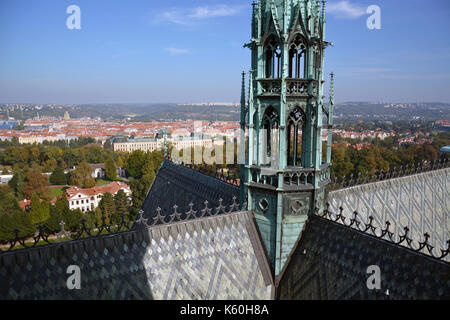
column 58, row 177
column 36, row 182
column 110, row 169
column 82, row 176
column 12, row 217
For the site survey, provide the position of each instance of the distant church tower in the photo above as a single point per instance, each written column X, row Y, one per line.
column 285, row 174
column 66, row 116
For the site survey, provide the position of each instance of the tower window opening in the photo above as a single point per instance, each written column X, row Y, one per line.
column 273, row 59
column 270, row 125
column 297, row 51
column 296, row 121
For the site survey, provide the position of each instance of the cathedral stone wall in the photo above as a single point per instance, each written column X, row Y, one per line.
column 210, row 258
column 420, row 202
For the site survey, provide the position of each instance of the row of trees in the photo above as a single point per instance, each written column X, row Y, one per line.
column 12, row 216
column 28, row 181
column 382, row 155
column 48, row 157
column 80, row 142
column 41, row 212
column 142, row 168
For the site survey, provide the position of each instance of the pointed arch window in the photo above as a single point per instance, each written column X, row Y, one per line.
column 296, row 121
column 297, row 52
column 270, row 126
column 273, row 58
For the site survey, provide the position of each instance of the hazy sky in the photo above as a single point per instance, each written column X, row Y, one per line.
column 140, row 51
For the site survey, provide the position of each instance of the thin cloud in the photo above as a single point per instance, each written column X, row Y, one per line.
column 176, row 51
column 188, row 16
column 206, row 12
column 345, row 9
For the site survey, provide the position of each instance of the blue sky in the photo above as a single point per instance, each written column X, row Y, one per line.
column 143, row 51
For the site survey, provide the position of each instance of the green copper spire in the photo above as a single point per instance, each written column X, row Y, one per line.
column 285, row 175
column 243, row 91
column 331, row 89
column 330, row 119
column 163, row 132
column 242, row 150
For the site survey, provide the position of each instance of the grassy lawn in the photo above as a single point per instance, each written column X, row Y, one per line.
column 54, row 192
column 101, row 182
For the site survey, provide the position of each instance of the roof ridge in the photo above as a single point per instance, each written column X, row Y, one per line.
column 199, row 172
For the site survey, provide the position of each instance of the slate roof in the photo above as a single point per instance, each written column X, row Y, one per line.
column 420, row 202
column 177, row 185
column 222, row 256
column 330, row 262
column 211, row 258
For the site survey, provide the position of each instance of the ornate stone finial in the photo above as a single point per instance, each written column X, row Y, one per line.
column 141, row 219
column 324, row 2
column 250, row 84
column 164, row 134
column 243, row 90
column 63, row 232
column 332, row 89
column 254, row 4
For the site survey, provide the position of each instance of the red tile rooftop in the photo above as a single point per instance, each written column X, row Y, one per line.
column 112, row 188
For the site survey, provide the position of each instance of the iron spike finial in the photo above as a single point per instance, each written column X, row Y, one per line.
column 331, row 89
column 243, row 90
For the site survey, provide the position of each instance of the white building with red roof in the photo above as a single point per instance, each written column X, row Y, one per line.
column 89, row 199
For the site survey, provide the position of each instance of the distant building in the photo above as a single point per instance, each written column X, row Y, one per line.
column 4, row 178
column 25, row 203
column 360, row 146
column 32, row 138
column 8, row 124
column 99, row 171
column 131, row 145
column 137, row 144
column 66, row 116
column 89, row 199
column 442, row 125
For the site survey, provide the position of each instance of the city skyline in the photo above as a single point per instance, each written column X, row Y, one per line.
column 154, row 52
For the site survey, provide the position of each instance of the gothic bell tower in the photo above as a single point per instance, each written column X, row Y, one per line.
column 286, row 173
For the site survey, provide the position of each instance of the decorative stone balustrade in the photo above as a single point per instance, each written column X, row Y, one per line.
column 267, row 177
column 294, row 87
column 299, row 87
column 270, row 86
